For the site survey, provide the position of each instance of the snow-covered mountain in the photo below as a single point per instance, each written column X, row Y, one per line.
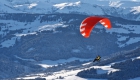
column 125, row 9
column 122, row 66
column 30, row 41
column 41, row 39
column 18, row 25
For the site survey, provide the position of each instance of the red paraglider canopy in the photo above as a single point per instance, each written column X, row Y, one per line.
column 88, row 24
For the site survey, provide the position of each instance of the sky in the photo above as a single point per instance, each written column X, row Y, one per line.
column 119, row 0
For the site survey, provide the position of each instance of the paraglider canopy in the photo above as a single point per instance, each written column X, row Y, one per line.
column 89, row 23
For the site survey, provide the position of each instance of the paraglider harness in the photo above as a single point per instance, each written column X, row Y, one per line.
column 97, row 58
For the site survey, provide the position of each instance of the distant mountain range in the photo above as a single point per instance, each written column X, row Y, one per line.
column 125, row 9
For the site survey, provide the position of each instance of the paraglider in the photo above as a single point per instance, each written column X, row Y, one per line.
column 89, row 23
column 97, row 58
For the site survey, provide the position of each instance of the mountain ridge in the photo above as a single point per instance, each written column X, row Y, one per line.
column 114, row 8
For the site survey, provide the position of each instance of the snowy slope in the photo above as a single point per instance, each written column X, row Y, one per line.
column 126, row 29
column 123, row 31
column 93, row 69
column 28, row 28
column 123, row 63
